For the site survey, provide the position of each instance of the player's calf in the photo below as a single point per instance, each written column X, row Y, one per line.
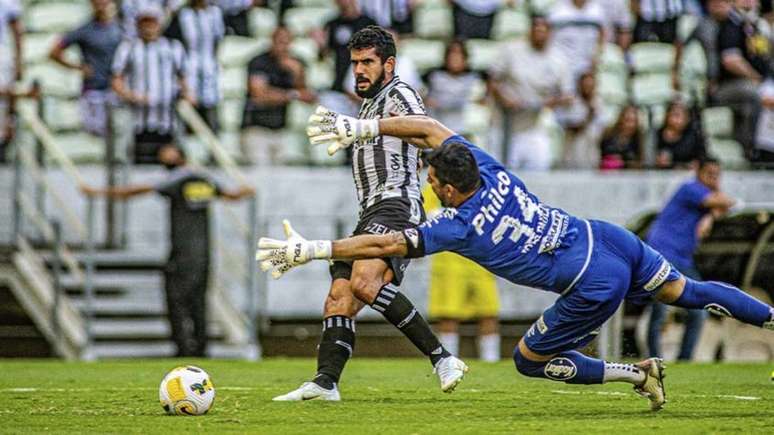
column 719, row 298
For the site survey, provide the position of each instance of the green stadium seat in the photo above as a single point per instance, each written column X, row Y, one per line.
column 55, row 80
column 230, row 112
column 320, row 75
column 62, row 114
column 301, row 21
column 425, row 53
column 612, row 87
column 482, row 53
column 37, row 46
column 262, row 21
column 652, row 89
column 305, row 49
column 55, row 17
column 718, row 122
column 238, row 50
column 510, row 23
column 433, row 22
column 612, row 60
column 650, row 57
column 233, row 82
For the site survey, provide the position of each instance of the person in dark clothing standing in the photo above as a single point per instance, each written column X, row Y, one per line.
column 337, row 33
column 680, row 141
column 187, row 271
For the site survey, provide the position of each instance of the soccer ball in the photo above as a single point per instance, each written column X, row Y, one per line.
column 186, row 391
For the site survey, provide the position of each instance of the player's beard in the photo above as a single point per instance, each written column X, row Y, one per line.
column 372, row 90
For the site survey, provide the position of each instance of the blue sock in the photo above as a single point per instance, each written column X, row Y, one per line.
column 726, row 300
column 571, row 367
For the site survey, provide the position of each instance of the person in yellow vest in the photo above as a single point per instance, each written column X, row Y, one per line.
column 462, row 290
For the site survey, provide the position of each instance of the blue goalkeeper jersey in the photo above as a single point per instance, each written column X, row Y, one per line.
column 506, row 229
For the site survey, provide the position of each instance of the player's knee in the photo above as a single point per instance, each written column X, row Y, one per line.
column 527, row 367
column 339, row 305
column 364, row 288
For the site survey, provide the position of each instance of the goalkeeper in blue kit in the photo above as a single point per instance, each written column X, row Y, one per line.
column 495, row 221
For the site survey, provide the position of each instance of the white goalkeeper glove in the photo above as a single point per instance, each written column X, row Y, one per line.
column 337, row 131
column 279, row 256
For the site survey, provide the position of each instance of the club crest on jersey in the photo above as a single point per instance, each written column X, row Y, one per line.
column 412, row 235
column 560, row 369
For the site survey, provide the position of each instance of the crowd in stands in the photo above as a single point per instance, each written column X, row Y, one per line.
column 575, row 84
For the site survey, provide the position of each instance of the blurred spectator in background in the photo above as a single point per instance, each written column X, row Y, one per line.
column 656, row 20
column 335, row 37
column 274, row 79
column 618, row 22
column 391, row 14
column 97, row 40
column 461, row 290
column 680, row 141
column 675, row 233
column 199, row 26
column 148, row 74
column 449, row 88
column 236, row 15
column 186, row 273
column 764, row 140
column 706, row 32
column 10, row 67
column 621, row 143
column 745, row 57
column 474, row 18
column 526, row 77
column 584, row 121
column 130, row 8
column 8, row 120
column 578, row 33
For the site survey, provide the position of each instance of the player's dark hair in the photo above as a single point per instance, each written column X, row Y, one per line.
column 374, row 37
column 455, row 165
column 707, row 160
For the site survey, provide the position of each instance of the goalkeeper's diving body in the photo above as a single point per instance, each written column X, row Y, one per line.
column 494, row 220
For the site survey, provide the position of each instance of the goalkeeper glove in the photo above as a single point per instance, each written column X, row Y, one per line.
column 279, row 256
column 337, row 131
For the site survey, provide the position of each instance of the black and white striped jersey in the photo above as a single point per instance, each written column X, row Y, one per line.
column 200, row 31
column 152, row 69
column 385, row 166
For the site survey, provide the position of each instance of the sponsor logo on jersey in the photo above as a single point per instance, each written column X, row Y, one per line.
column 412, row 236
column 541, row 325
column 659, row 278
column 560, row 369
column 717, row 309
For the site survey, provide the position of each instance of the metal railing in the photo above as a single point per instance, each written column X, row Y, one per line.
column 31, row 210
column 255, row 297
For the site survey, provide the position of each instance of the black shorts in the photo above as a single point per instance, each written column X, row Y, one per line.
column 656, row 31
column 386, row 216
column 147, row 145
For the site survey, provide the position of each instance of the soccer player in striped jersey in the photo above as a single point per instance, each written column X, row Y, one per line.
column 385, row 169
column 493, row 219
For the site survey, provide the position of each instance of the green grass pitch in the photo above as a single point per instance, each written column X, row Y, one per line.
column 379, row 396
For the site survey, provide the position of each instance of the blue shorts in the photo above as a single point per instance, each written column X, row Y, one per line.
column 621, row 267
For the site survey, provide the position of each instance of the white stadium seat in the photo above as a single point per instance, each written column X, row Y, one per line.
column 82, row 147
column 305, row 49
column 510, row 23
column 425, row 53
column 233, row 82
column 718, row 122
column 37, row 46
column 262, row 21
column 301, row 21
column 650, row 57
column 55, row 80
column 652, row 89
column 433, row 22
column 230, row 112
column 55, row 17
column 482, row 53
column 612, row 87
column 238, row 50
column 62, row 114
column 320, row 75
column 612, row 59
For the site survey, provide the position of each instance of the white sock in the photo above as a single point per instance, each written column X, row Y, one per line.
column 450, row 342
column 620, row 372
column 489, row 347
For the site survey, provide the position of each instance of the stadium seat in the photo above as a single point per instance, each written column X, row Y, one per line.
column 649, row 57
column 302, row 20
column 314, row 3
column 728, row 151
column 62, row 114
column 37, row 46
column 718, row 122
column 262, row 21
column 686, row 24
column 510, row 23
column 612, row 87
column 693, row 72
column 433, row 22
column 540, row 6
column 298, row 114
column 82, row 147
column 55, row 17
column 238, row 50
column 425, row 53
column 477, row 119
column 55, row 80
column 233, row 82
column 612, row 60
column 305, row 49
column 482, row 53
column 320, row 75
column 651, row 89
column 230, row 112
